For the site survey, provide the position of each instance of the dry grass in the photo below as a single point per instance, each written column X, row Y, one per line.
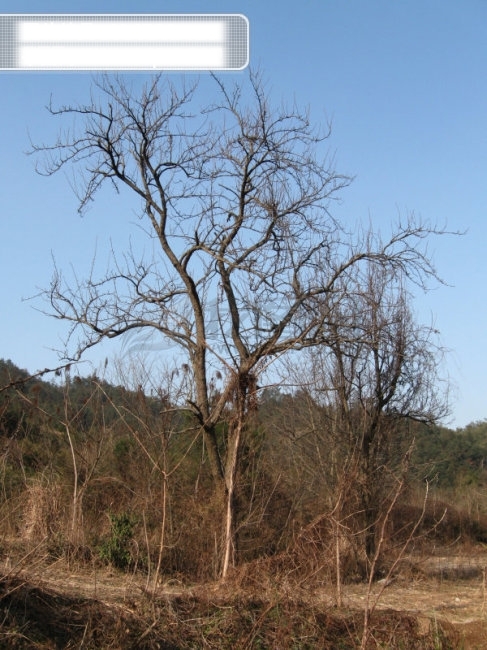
column 46, row 604
column 36, row 616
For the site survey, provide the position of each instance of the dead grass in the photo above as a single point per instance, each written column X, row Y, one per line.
column 47, row 605
column 37, row 616
column 436, row 601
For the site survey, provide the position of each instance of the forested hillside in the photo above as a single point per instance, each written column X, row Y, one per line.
column 99, row 471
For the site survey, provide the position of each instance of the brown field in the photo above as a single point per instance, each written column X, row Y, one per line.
column 437, row 601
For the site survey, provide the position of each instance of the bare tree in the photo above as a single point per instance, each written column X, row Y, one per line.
column 379, row 373
column 236, row 195
column 153, row 423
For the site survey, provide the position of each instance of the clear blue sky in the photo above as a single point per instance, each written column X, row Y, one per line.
column 405, row 84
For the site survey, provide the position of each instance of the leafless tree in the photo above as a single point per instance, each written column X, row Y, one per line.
column 155, row 424
column 237, row 197
column 379, row 374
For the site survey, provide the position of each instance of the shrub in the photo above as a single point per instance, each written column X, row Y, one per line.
column 116, row 549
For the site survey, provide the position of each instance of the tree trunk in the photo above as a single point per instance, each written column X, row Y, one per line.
column 231, row 466
column 230, row 480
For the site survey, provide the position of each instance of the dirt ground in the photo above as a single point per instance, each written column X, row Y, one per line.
column 449, row 589
column 461, row 603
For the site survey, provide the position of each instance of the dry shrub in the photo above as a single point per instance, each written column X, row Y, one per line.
column 265, row 577
column 442, row 523
column 315, row 547
column 104, row 496
column 312, row 550
column 195, row 536
column 11, row 515
column 43, row 512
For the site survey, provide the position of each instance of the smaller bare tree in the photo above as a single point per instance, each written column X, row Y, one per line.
column 156, row 415
column 379, row 373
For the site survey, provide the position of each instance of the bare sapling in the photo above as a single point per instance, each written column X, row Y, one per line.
column 154, row 433
column 372, row 597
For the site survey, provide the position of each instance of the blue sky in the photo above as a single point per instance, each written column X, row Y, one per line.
column 405, row 85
